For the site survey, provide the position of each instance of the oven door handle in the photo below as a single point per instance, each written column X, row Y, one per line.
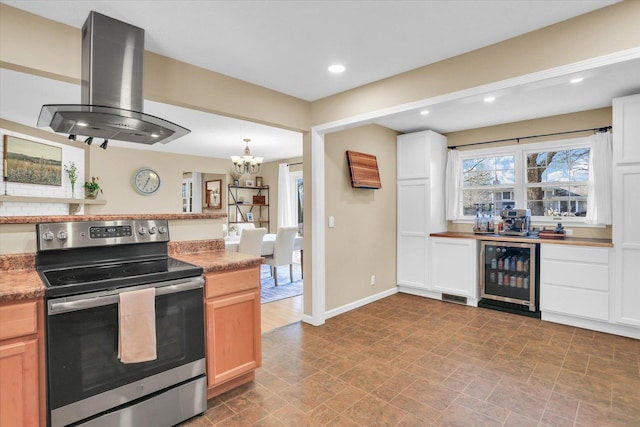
column 99, row 301
column 181, row 287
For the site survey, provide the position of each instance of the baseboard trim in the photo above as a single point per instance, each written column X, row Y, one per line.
column 594, row 325
column 361, row 302
column 310, row 320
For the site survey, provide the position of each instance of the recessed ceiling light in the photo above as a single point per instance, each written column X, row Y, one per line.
column 576, row 80
column 488, row 99
column 336, row 68
column 424, row 112
column 81, row 124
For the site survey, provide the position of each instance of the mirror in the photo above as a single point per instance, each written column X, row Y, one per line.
column 213, row 190
column 207, row 193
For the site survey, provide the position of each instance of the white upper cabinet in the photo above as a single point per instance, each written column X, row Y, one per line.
column 626, row 129
column 421, row 155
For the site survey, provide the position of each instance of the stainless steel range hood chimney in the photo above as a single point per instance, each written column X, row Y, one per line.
column 112, row 99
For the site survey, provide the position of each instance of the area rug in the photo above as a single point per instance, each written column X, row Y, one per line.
column 285, row 289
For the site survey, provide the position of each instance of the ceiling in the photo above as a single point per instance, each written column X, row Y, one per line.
column 287, row 46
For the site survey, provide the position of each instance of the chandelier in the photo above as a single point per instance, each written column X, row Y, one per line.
column 247, row 163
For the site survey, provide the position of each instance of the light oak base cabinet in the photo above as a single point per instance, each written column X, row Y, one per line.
column 22, row 364
column 233, row 332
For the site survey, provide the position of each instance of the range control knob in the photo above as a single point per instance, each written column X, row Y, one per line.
column 162, row 229
column 47, row 235
column 142, row 230
column 62, row 235
column 152, row 230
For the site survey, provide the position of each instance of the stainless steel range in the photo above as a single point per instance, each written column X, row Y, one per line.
column 87, row 268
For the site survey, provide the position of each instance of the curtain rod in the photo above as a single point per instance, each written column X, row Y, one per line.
column 601, row 129
column 293, row 164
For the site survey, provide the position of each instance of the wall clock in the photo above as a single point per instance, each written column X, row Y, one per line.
column 146, row 181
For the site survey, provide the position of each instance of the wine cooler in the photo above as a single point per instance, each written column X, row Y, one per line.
column 509, row 277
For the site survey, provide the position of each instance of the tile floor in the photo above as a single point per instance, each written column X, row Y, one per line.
column 412, row 361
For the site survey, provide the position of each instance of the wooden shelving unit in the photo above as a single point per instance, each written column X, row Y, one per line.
column 260, row 211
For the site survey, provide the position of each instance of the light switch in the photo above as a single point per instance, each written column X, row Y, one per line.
column 332, row 222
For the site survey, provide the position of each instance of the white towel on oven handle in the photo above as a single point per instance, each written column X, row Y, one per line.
column 137, row 326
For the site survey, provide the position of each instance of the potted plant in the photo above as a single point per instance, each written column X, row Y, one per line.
column 72, row 173
column 92, row 188
column 235, row 176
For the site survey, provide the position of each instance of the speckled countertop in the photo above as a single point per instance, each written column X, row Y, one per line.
column 19, row 279
column 78, row 218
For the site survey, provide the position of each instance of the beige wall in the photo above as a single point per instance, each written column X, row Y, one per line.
column 363, row 241
column 606, row 30
column 562, row 123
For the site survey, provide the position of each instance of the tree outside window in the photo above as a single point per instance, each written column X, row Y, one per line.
column 557, row 182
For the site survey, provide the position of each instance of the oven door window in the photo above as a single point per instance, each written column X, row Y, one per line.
column 82, row 347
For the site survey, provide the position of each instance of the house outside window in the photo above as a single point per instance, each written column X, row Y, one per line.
column 488, row 180
column 550, row 178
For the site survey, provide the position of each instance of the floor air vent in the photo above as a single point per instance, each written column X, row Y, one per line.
column 454, row 298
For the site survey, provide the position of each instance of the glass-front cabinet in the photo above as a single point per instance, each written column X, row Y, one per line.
column 509, row 275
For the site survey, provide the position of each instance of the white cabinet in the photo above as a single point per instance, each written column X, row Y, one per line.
column 574, row 281
column 454, row 266
column 413, row 233
column 421, row 166
column 626, row 205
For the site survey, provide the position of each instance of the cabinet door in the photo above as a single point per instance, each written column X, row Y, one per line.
column 413, row 208
column 233, row 336
column 19, row 386
column 454, row 264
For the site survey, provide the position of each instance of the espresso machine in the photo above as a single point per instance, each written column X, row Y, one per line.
column 515, row 222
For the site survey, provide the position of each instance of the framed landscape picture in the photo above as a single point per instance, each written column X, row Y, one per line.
column 31, row 162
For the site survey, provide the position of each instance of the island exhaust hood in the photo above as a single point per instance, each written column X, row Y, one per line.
column 111, row 96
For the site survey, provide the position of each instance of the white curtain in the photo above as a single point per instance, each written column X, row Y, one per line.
column 453, row 183
column 286, row 217
column 600, row 177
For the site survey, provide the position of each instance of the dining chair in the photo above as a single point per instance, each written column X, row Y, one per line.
column 251, row 241
column 282, row 251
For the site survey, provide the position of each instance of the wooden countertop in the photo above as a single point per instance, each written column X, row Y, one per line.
column 579, row 241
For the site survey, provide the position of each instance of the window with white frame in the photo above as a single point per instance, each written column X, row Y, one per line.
column 488, row 180
column 557, row 182
column 550, row 178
